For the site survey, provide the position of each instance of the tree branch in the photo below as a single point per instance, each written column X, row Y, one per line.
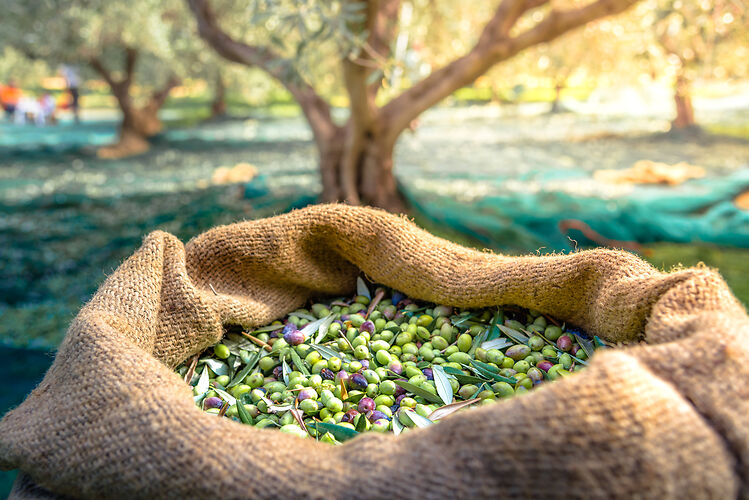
column 131, row 57
column 159, row 96
column 315, row 109
column 494, row 45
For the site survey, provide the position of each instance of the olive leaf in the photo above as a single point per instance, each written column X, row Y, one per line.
column 417, row 419
column 462, row 377
column 487, row 373
column 327, row 352
column 397, row 425
column 253, row 359
column 418, row 391
column 244, row 415
column 586, row 344
column 218, row 367
column 298, row 362
column 493, row 332
column 442, row 383
column 268, row 329
column 299, row 417
column 446, row 410
column 361, row 424
column 462, row 318
column 361, row 288
column 339, row 432
column 202, row 385
column 499, row 343
column 322, row 330
column 514, row 334
column 285, row 370
column 314, row 326
column 225, row 396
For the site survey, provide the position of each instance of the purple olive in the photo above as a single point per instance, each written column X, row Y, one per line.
column 428, row 373
column 377, row 415
column 364, row 364
column 349, row 416
column 357, row 380
column 278, row 371
column 397, row 297
column 399, row 391
column 574, row 350
column 398, row 399
column 544, row 365
column 212, row 402
column 368, row 326
column 288, row 327
column 388, row 312
column 366, row 404
column 342, row 375
column 327, row 374
column 295, row 337
column 306, row 393
column 564, row 343
column 396, row 367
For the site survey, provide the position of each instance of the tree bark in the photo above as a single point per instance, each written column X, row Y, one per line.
column 684, row 110
column 138, row 123
column 218, row 105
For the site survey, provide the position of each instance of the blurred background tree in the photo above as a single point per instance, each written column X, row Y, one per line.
column 693, row 39
column 120, row 42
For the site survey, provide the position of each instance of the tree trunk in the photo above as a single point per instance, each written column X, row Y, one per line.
column 556, row 105
column 684, row 110
column 372, row 159
column 137, row 126
column 218, row 106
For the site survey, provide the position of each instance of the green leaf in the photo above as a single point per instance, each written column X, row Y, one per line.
column 253, row 359
column 444, row 388
column 418, row 420
column 267, row 329
column 484, row 366
column 418, row 391
column 361, row 424
column 499, row 343
column 225, row 396
column 446, row 410
column 339, row 432
column 314, row 326
column 285, row 370
column 599, row 342
column 514, row 334
column 244, row 415
column 493, row 332
column 361, row 288
column 462, row 318
column 397, row 425
column 491, row 375
column 322, row 330
column 586, row 344
column 218, row 367
column 327, row 352
column 203, row 382
column 462, row 377
column 298, row 362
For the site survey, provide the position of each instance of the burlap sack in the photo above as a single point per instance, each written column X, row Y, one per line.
column 666, row 419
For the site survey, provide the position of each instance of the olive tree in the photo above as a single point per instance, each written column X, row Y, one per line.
column 356, row 157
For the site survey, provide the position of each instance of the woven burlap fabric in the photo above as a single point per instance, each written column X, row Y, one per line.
column 665, row 418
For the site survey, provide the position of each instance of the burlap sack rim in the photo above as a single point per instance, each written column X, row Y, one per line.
column 684, row 276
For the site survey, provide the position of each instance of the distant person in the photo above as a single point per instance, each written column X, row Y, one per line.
column 72, row 82
column 10, row 94
column 47, row 105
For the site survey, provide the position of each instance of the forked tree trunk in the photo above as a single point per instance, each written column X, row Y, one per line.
column 683, row 100
column 138, row 123
column 372, row 159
